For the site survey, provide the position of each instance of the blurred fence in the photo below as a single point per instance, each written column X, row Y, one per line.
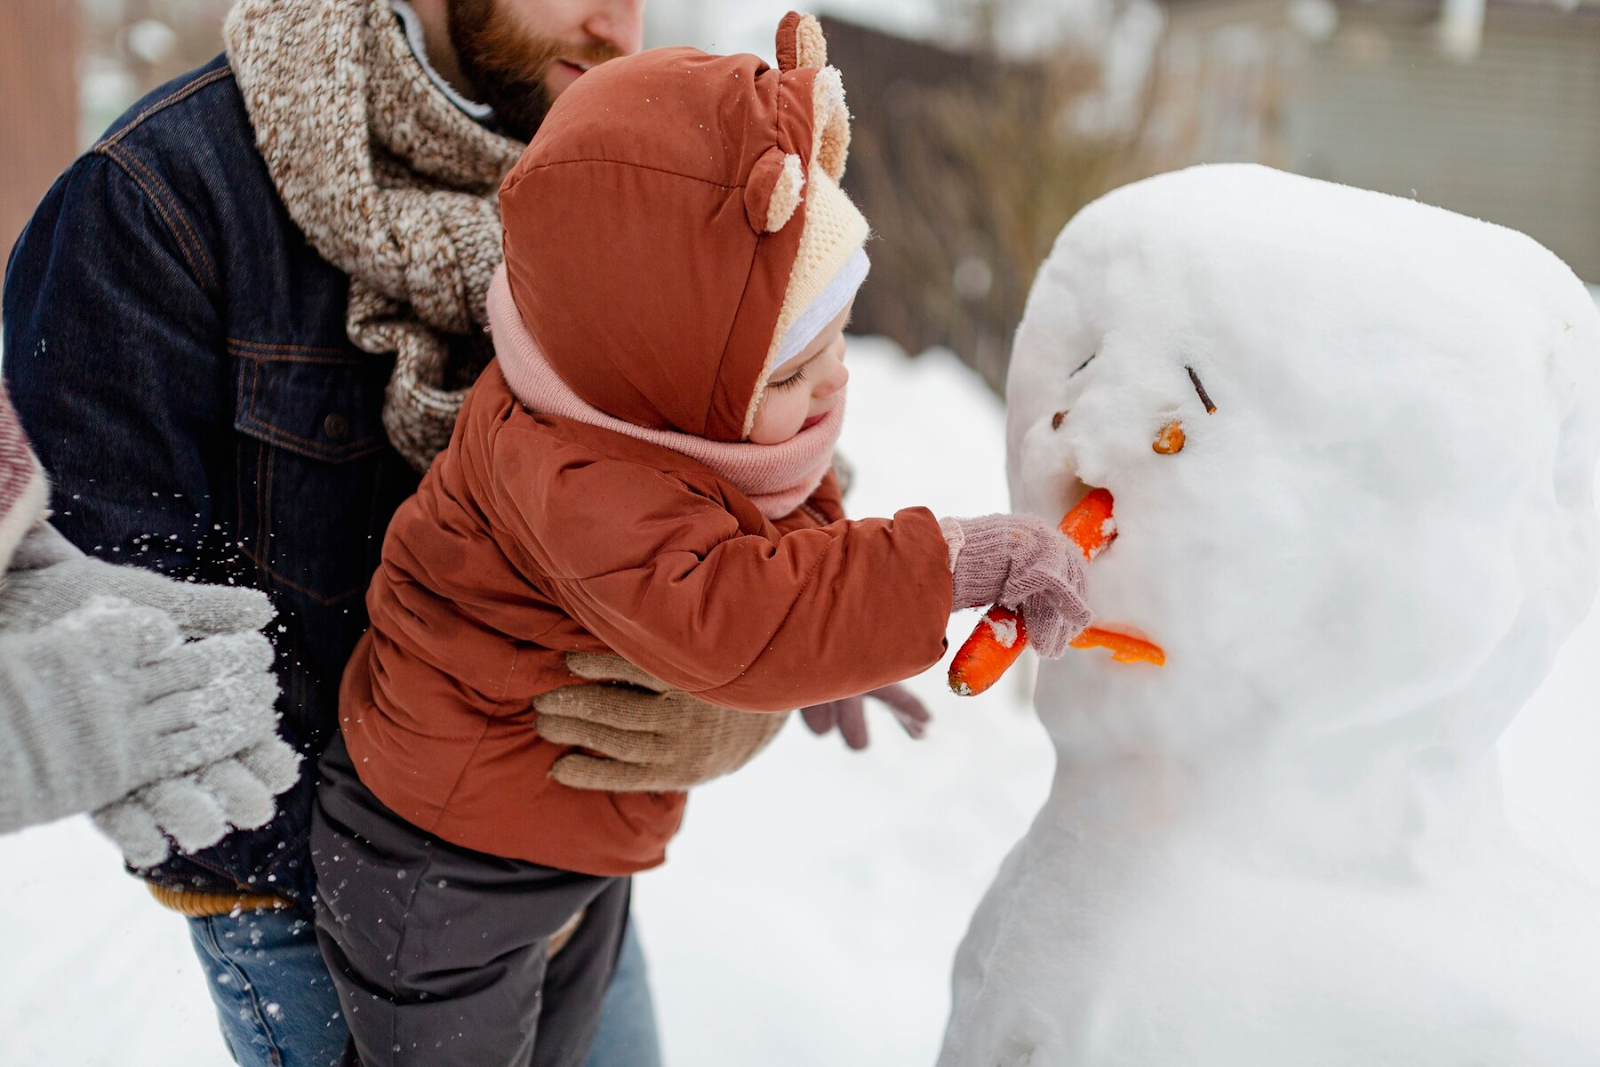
column 969, row 160
column 968, row 164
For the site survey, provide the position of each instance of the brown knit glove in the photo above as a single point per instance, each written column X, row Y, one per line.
column 646, row 736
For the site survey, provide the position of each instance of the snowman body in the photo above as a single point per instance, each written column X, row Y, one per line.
column 1288, row 845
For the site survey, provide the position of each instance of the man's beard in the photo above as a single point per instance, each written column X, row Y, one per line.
column 507, row 64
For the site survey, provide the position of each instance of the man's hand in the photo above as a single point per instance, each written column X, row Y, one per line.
column 110, row 700
column 641, row 735
column 50, row 578
column 849, row 714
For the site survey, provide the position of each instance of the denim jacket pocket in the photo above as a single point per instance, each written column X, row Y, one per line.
column 311, row 466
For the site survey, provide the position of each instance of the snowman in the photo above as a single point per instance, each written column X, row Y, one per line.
column 1351, row 441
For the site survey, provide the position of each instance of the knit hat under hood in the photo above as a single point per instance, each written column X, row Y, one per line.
column 653, row 228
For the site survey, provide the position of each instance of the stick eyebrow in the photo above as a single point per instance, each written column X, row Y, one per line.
column 1084, row 364
column 1211, row 409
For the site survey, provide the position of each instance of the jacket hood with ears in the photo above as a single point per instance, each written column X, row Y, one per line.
column 652, row 226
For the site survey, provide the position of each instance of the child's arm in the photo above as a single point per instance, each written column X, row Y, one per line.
column 664, row 576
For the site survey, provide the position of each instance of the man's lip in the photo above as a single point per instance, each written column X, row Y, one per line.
column 574, row 66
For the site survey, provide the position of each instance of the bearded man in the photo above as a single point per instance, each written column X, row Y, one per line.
column 238, row 328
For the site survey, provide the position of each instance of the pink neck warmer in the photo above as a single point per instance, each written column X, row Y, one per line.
column 778, row 478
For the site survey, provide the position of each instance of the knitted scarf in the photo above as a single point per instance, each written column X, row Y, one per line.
column 390, row 182
column 777, row 478
column 24, row 494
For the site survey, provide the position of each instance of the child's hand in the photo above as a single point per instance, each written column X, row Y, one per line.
column 1023, row 564
column 639, row 735
column 849, row 714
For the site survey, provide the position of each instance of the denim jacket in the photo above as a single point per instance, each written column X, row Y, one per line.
column 177, row 353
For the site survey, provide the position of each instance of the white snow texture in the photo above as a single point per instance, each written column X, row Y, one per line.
column 1289, row 845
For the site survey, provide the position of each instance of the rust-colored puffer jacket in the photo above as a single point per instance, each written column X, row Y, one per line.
column 534, row 536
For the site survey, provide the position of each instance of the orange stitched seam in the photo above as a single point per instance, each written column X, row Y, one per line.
column 111, row 153
column 271, row 347
column 266, row 504
column 187, row 91
column 281, row 436
column 273, row 357
column 261, row 455
column 177, row 209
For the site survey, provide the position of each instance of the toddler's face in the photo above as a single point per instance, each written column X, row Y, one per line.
column 804, row 389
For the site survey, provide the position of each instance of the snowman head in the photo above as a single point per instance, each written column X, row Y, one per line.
column 1380, row 517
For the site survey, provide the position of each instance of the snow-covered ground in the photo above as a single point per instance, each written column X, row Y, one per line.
column 811, row 906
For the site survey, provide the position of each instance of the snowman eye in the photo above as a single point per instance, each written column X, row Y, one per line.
column 1211, row 409
column 1082, row 365
column 1171, row 439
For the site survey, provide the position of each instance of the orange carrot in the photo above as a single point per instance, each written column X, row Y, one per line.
column 1090, row 523
column 1000, row 635
column 994, row 646
column 1125, row 648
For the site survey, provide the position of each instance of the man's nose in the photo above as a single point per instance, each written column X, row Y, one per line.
column 619, row 22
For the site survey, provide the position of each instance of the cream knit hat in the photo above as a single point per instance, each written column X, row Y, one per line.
column 835, row 230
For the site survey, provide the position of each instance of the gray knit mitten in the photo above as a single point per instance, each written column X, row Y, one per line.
column 645, row 736
column 49, row 578
column 109, row 699
column 1022, row 563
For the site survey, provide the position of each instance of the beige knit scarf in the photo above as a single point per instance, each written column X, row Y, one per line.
column 390, row 182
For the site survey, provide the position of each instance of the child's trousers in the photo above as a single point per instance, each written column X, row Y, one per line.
column 440, row 955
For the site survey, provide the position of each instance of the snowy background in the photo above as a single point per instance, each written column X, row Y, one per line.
column 811, row 906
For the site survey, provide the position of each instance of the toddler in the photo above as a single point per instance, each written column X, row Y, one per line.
column 644, row 470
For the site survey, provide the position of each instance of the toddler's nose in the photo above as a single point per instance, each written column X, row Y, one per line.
column 834, row 381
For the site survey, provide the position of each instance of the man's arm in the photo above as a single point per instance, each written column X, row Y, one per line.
column 115, row 356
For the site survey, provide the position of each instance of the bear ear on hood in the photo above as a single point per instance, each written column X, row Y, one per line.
column 773, row 193
column 800, row 42
column 801, row 45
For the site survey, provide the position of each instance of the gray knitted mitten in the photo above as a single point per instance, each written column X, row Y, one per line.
column 1022, row 563
column 109, row 698
column 49, row 577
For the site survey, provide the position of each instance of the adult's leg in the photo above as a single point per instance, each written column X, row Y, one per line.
column 627, row 1036
column 275, row 1002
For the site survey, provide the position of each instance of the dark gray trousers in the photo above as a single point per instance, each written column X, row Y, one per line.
column 440, row 954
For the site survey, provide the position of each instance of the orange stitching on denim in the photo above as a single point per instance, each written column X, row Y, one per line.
column 286, row 348
column 180, row 94
column 274, row 357
column 261, row 454
column 314, row 361
column 111, row 153
column 281, row 436
column 177, row 209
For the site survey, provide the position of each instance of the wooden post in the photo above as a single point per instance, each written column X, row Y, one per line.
column 38, row 104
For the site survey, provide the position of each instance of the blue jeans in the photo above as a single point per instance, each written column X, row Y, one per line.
column 277, row 1008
